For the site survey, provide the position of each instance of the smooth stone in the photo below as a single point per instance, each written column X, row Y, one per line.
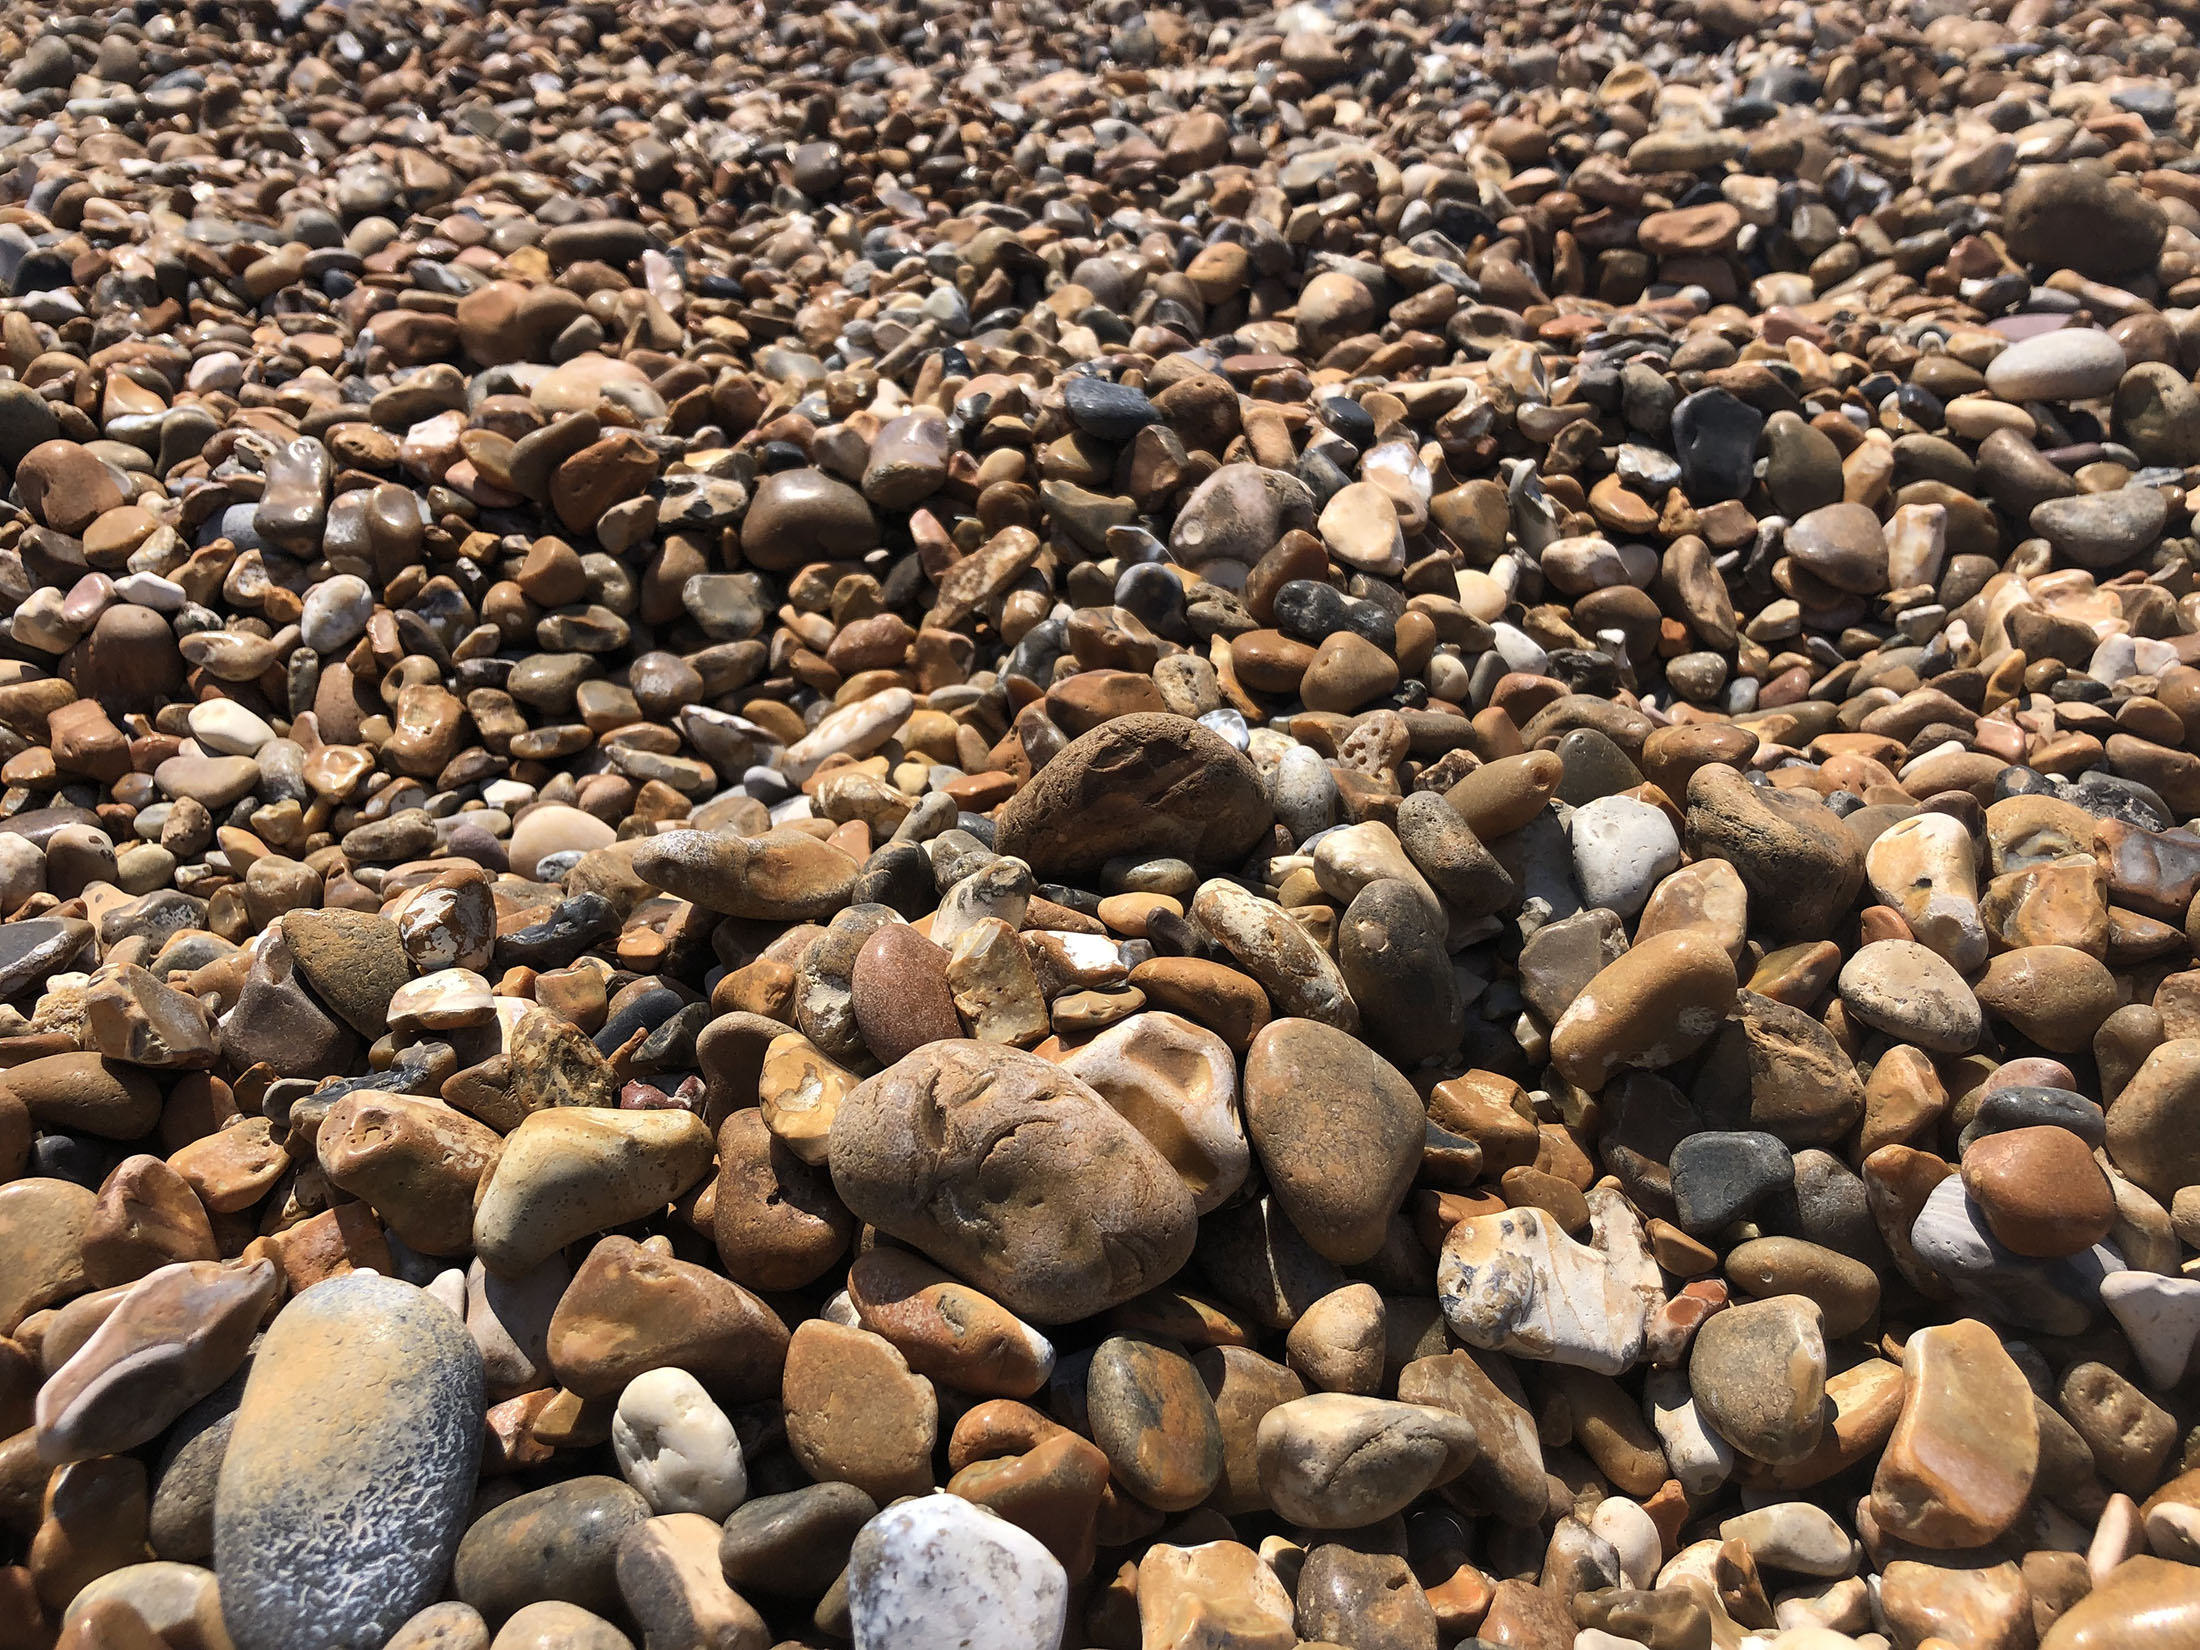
column 1372, row 1601
column 1335, row 1461
column 676, row 1591
column 556, row 1544
column 2153, row 1125
column 901, row 995
column 1142, row 786
column 1622, row 849
column 676, row 1447
column 1176, row 1083
column 1652, row 1007
column 2161, row 1319
column 1801, row 864
column 1152, row 1417
column 2077, row 217
column 2040, row 1191
column 1216, row 1593
column 1913, row 994
column 1758, row 1371
column 2102, row 530
column 1924, row 868
column 1338, row 1133
column 354, row 960
column 555, row 1625
column 633, row 1307
column 938, row 1570
column 175, row 1336
column 1958, row 1469
column 574, row 1170
column 2068, row 364
column 1269, row 944
column 1012, row 1173
column 781, row 876
column 2144, row 1603
column 948, row 1331
column 855, row 1414
column 341, row 1501
column 793, row 1544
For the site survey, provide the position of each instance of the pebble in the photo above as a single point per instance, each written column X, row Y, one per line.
column 1961, row 1461
column 1100, row 1215
column 559, row 1545
column 937, row 1570
column 341, row 1504
column 675, row 1446
column 2068, row 364
column 573, row 1170
column 855, row 1414
column 1334, row 1461
column 1337, row 1131
column 1758, row 1373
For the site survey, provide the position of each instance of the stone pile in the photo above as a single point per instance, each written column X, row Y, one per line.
column 1065, row 828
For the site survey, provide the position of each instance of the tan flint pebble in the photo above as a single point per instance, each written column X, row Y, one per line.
column 172, row 1339
column 1500, row 797
column 1219, row 1592
column 552, row 1624
column 1960, row 1465
column 946, row 1329
column 83, row 1092
column 995, row 989
column 417, row 1161
column 1912, row 993
column 2052, row 994
column 1338, row 1132
column 2040, row 1190
column 1801, row 864
column 856, row 1414
column 781, row 876
column 1176, row 1083
column 1758, row 1373
column 1244, row 1387
column 1657, row 1004
column 1846, row 1289
column 632, row 1307
column 174, row 1604
column 1013, row 1174
column 1982, row 1605
column 799, row 1092
column 1923, row 867
column 1336, row 1461
column 1708, row 894
column 2154, row 1123
column 2145, row 1603
column 147, row 1217
column 675, row 1589
column 775, row 1220
column 1153, row 1418
column 570, row 1171
column 449, row 1625
column 42, row 1225
column 1298, row 975
column 1224, row 1000
column 1339, row 1342
column 1056, row 1490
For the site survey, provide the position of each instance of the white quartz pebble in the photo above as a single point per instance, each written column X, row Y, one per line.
column 939, row 1570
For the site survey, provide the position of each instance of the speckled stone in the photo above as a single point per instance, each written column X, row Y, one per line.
column 341, row 1500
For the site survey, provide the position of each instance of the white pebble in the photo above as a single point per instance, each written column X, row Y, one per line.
column 939, row 1570
column 676, row 1447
